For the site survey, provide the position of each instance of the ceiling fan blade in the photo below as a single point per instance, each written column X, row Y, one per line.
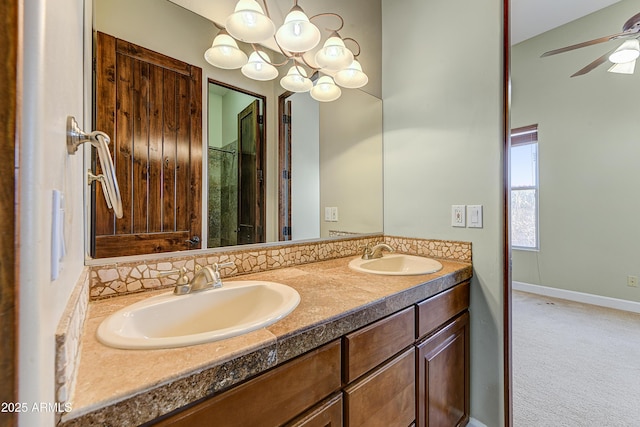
column 590, row 42
column 593, row 65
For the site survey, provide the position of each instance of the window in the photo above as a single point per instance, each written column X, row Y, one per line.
column 524, row 188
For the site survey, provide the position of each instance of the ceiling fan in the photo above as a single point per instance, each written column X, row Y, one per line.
column 622, row 57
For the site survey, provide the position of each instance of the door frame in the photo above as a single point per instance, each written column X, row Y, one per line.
column 284, row 166
column 506, row 215
column 10, row 105
column 263, row 151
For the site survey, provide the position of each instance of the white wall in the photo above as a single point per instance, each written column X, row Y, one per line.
column 442, row 146
column 214, row 124
column 52, row 89
column 305, row 167
column 351, row 159
column 589, row 146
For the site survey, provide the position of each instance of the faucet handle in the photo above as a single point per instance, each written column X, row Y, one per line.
column 218, row 266
column 181, row 272
column 182, row 283
column 366, row 251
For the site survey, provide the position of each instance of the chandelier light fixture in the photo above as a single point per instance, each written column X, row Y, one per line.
column 334, row 63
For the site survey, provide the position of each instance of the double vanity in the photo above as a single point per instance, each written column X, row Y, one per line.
column 344, row 341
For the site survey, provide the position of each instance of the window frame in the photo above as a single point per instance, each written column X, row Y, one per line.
column 527, row 135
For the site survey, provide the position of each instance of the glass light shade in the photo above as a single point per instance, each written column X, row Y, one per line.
column 297, row 34
column 224, row 53
column 628, row 51
column 249, row 24
column 334, row 55
column 623, row 68
column 352, row 77
column 258, row 69
column 296, row 80
column 325, row 90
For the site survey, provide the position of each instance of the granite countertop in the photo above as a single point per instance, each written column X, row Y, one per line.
column 128, row 387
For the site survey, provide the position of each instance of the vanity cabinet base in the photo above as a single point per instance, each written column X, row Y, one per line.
column 443, row 376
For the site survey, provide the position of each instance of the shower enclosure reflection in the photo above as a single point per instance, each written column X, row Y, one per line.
column 236, row 196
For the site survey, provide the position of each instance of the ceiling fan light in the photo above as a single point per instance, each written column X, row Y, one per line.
column 334, row 55
column 623, row 68
column 325, row 90
column 296, row 80
column 224, row 52
column 258, row 68
column 249, row 24
column 628, row 51
column 352, row 77
column 297, row 34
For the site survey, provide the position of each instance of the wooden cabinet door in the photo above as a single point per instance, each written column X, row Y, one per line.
column 151, row 107
column 385, row 397
column 327, row 414
column 443, row 376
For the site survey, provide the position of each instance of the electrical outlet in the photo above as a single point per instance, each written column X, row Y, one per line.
column 632, row 281
column 458, row 216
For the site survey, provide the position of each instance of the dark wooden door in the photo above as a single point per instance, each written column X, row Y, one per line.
column 443, row 376
column 151, row 107
column 284, row 155
column 251, row 177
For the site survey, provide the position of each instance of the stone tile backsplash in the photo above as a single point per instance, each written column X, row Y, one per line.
column 123, row 278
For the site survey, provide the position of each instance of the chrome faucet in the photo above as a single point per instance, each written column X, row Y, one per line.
column 376, row 251
column 205, row 278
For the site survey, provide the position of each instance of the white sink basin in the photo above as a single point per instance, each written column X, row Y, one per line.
column 396, row 265
column 168, row 320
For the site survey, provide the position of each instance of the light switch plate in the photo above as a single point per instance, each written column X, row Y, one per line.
column 458, row 216
column 327, row 214
column 474, row 216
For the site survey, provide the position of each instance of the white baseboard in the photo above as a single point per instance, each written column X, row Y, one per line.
column 618, row 304
column 475, row 423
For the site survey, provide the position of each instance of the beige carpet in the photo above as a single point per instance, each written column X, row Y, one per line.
column 574, row 364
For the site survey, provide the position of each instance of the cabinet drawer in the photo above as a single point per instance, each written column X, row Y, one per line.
column 326, row 414
column 437, row 310
column 366, row 348
column 272, row 398
column 386, row 397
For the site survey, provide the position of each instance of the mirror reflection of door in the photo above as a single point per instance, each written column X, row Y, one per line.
column 150, row 106
column 236, row 193
column 299, row 216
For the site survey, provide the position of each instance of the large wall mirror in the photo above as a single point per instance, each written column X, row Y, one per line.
column 343, row 171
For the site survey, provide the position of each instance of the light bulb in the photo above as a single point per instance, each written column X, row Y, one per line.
column 627, row 52
column 296, row 80
column 352, row 77
column 224, row 52
column 258, row 68
column 249, row 24
column 334, row 55
column 297, row 34
column 325, row 90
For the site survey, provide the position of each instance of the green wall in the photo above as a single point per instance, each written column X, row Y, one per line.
column 589, row 149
